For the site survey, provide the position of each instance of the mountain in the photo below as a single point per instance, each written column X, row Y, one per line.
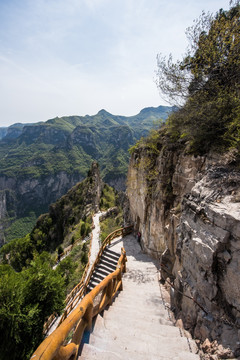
column 62, row 223
column 12, row 132
column 3, row 132
column 40, row 162
column 71, row 143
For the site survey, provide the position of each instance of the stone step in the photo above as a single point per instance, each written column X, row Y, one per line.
column 152, row 303
column 137, row 325
column 109, row 259
column 98, row 353
column 140, row 337
column 112, row 254
column 141, row 344
column 104, row 267
column 93, row 353
column 102, row 270
column 132, row 315
column 150, row 300
column 107, row 264
column 97, row 275
column 126, row 308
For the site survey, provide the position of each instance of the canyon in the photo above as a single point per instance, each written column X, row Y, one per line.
column 40, row 162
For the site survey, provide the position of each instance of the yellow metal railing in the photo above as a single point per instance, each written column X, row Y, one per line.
column 54, row 347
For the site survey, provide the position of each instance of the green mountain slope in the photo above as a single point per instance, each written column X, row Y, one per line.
column 30, row 290
column 41, row 162
column 72, row 143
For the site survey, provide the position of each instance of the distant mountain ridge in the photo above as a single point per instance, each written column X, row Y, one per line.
column 71, row 143
column 16, row 129
column 40, row 162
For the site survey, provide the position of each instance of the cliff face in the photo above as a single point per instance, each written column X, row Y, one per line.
column 78, row 203
column 40, row 192
column 19, row 196
column 188, row 212
column 68, row 220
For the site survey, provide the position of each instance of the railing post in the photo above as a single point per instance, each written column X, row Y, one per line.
column 88, row 316
column 66, row 352
column 123, row 252
column 109, row 292
column 120, row 281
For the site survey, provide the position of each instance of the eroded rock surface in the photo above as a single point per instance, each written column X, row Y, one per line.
column 188, row 212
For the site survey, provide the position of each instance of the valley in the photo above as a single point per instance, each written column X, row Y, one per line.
column 41, row 162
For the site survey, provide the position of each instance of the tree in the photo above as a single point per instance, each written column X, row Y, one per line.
column 66, row 269
column 207, row 82
column 83, row 229
column 27, row 298
column 18, row 252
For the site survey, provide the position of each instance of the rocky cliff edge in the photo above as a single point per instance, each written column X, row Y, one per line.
column 187, row 209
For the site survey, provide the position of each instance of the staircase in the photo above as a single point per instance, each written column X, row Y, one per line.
column 106, row 266
column 137, row 325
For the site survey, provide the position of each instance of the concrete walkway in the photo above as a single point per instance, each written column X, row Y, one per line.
column 137, row 325
column 94, row 252
column 95, row 239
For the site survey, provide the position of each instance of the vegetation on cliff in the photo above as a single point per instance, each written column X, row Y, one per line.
column 114, row 219
column 207, row 82
column 68, row 220
column 30, row 290
column 27, row 298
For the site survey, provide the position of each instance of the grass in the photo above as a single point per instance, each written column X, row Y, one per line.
column 21, row 227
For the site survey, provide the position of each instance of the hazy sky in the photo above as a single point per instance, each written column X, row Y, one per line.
column 75, row 57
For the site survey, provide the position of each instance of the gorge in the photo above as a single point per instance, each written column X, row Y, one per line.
column 40, row 162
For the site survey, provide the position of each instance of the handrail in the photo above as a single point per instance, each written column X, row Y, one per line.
column 52, row 318
column 80, row 289
column 84, row 282
column 81, row 318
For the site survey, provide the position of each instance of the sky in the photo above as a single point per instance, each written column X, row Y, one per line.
column 76, row 57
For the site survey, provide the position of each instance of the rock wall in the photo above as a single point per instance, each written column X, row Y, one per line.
column 18, row 196
column 188, row 212
column 118, row 183
column 207, row 251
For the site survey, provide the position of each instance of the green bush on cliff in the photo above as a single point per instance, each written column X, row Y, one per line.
column 27, row 298
column 108, row 197
column 29, row 289
column 110, row 224
column 207, row 82
column 18, row 252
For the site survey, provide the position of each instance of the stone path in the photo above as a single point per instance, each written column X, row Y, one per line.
column 95, row 240
column 94, row 252
column 137, row 325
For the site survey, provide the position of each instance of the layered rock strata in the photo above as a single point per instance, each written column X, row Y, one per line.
column 188, row 212
column 19, row 196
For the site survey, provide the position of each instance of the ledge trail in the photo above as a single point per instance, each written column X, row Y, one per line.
column 137, row 324
column 94, row 252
